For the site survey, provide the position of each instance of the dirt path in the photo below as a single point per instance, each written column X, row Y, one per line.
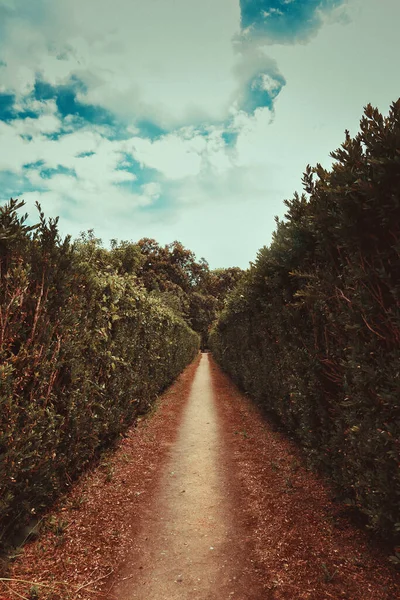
column 203, row 499
column 188, row 547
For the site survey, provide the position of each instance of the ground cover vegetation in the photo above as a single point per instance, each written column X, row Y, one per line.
column 88, row 337
column 312, row 331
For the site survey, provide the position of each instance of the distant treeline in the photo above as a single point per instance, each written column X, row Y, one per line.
column 313, row 329
column 88, row 337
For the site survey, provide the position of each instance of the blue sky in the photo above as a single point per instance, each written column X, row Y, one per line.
column 179, row 119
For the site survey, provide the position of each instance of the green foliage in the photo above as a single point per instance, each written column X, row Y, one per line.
column 83, row 349
column 313, row 329
column 221, row 282
column 188, row 287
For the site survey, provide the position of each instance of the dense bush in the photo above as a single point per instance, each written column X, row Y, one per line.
column 188, row 286
column 83, row 349
column 313, row 331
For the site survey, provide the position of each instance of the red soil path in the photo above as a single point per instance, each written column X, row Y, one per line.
column 202, row 499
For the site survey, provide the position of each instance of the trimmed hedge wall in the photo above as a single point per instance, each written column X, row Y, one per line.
column 313, row 331
column 82, row 352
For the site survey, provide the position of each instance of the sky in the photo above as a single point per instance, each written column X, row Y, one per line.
column 184, row 120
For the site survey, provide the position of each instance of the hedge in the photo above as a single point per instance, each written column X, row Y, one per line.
column 313, row 331
column 82, row 352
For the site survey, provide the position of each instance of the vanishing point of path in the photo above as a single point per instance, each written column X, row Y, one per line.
column 204, row 500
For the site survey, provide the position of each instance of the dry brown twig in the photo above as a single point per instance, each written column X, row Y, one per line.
column 94, row 581
column 54, row 583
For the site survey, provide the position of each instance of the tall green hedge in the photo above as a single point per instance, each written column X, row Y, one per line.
column 313, row 331
column 82, row 351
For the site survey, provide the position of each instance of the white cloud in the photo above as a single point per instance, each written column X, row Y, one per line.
column 251, row 63
column 45, row 124
column 230, row 216
column 91, row 196
column 218, row 158
column 219, row 201
column 173, row 155
column 271, row 11
column 152, row 190
column 168, row 62
column 52, row 152
column 185, row 153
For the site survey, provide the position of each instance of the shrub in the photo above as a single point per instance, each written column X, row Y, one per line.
column 313, row 330
column 83, row 350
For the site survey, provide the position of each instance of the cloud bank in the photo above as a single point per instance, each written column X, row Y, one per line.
column 182, row 119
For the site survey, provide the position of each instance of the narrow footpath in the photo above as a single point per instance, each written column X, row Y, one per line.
column 202, row 499
column 189, row 546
